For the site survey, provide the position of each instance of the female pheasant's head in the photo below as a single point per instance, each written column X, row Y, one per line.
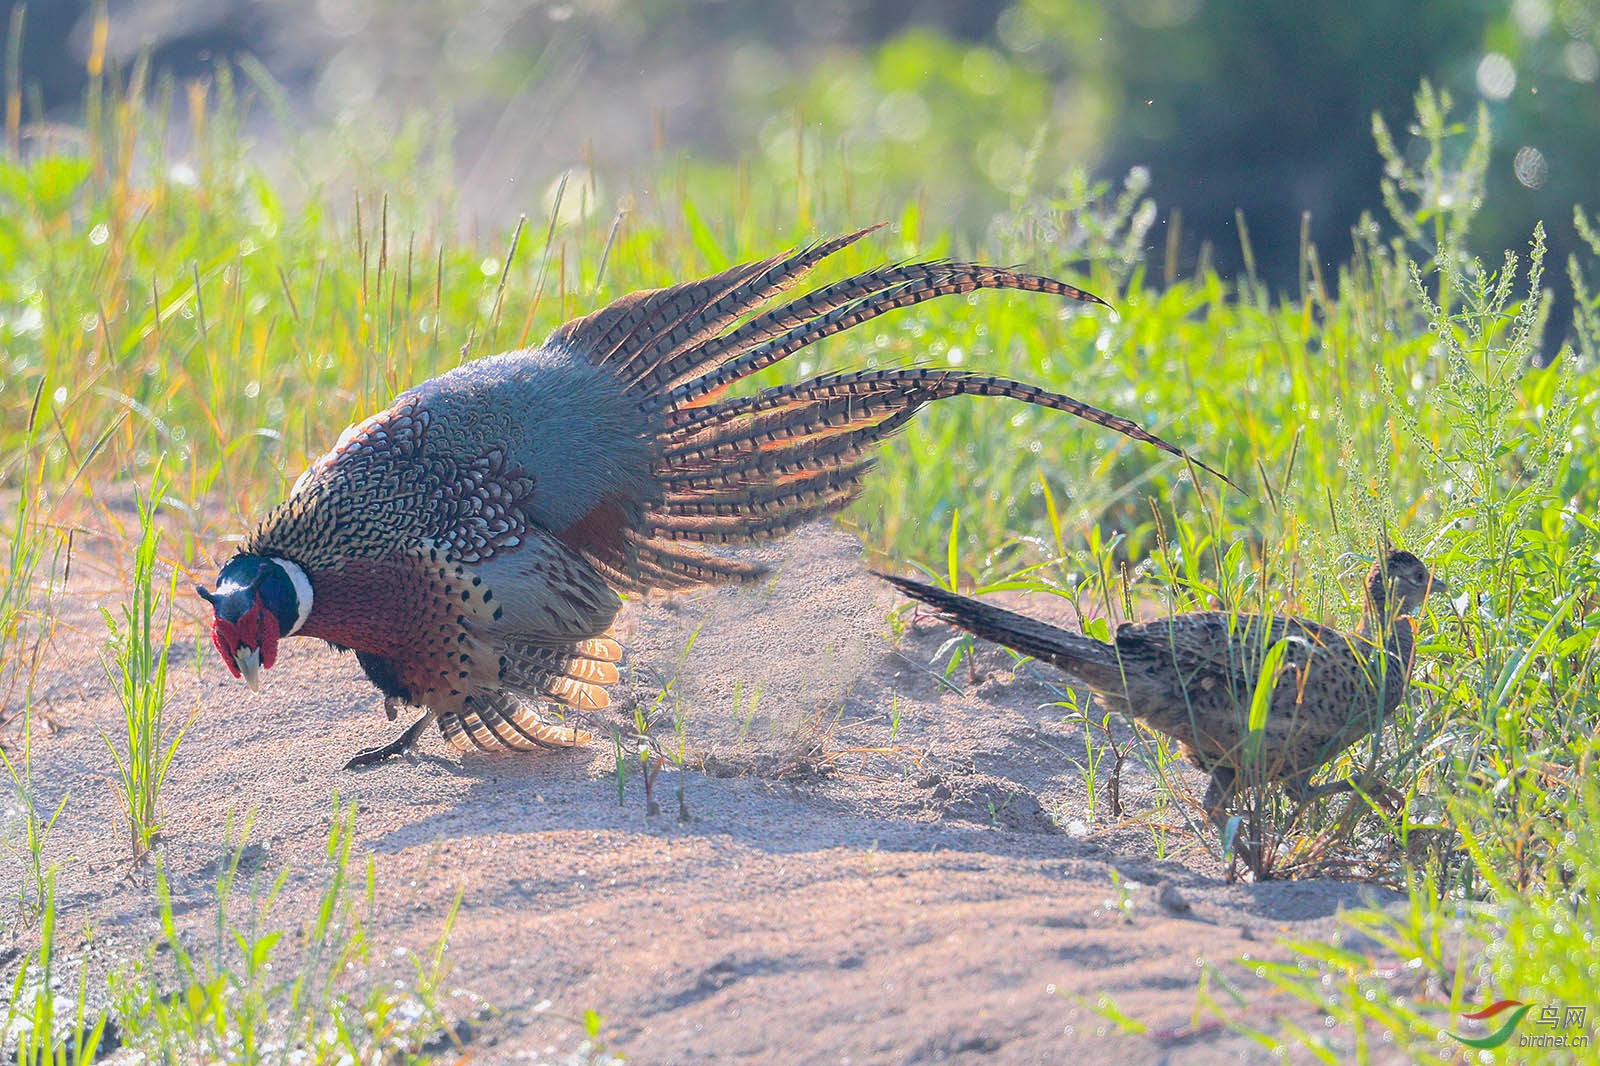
column 259, row 600
column 1399, row 583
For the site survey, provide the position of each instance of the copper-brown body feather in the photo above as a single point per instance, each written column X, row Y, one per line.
column 470, row 541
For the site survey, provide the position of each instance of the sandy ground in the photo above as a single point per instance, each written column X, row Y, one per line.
column 869, row 867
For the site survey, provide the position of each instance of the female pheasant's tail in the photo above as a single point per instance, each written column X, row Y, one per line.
column 733, row 471
column 1090, row 661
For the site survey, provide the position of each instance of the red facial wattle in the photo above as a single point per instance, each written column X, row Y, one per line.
column 256, row 628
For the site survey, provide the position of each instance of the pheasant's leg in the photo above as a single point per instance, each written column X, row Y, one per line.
column 398, row 746
column 1218, row 792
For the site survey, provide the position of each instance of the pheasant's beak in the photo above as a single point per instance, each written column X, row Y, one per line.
column 249, row 662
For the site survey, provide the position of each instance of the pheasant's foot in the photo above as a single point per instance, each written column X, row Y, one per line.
column 1234, row 830
column 401, row 745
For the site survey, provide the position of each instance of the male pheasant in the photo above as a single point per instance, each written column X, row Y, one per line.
column 470, row 541
column 1194, row 676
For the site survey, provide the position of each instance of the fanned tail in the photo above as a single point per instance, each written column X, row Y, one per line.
column 737, row 471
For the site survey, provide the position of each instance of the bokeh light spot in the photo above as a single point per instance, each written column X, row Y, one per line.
column 1496, row 76
column 1530, row 167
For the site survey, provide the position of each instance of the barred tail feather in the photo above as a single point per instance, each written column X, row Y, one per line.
column 795, row 457
column 877, row 291
column 613, row 335
column 645, row 369
column 754, row 468
column 752, row 526
column 865, row 394
column 1084, row 658
column 721, row 362
column 699, row 567
column 760, row 498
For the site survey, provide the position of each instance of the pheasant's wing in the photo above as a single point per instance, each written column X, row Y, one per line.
column 1217, row 650
column 404, row 480
column 1219, row 662
column 542, row 593
column 536, row 616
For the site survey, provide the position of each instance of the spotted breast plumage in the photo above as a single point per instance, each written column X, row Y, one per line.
column 469, row 543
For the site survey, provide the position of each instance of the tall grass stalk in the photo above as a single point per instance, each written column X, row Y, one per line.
column 139, row 654
column 34, row 888
column 25, row 552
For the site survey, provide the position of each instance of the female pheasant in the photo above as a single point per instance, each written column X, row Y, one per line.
column 470, row 541
column 1194, row 676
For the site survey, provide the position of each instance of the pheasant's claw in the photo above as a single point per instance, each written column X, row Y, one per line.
column 401, row 745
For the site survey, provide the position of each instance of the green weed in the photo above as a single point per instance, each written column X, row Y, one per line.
column 34, row 894
column 137, row 669
column 258, row 993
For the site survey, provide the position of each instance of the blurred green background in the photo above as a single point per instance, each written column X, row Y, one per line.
column 968, row 107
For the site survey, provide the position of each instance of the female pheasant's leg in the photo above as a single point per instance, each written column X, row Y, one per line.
column 1218, row 791
column 399, row 746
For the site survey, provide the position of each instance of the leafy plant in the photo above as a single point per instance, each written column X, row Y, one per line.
column 38, row 1023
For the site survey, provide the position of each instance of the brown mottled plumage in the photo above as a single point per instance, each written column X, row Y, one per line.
column 1193, row 676
column 469, row 541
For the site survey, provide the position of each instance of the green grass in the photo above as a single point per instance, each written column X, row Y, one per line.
column 34, row 895
column 23, row 625
column 139, row 652
column 256, row 993
column 184, row 309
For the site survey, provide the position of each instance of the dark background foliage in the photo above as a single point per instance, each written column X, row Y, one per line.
column 1231, row 105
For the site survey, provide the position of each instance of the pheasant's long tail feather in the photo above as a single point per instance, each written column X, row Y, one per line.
column 749, row 469
column 769, row 278
column 835, row 401
column 705, row 371
column 1087, row 659
column 637, row 332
